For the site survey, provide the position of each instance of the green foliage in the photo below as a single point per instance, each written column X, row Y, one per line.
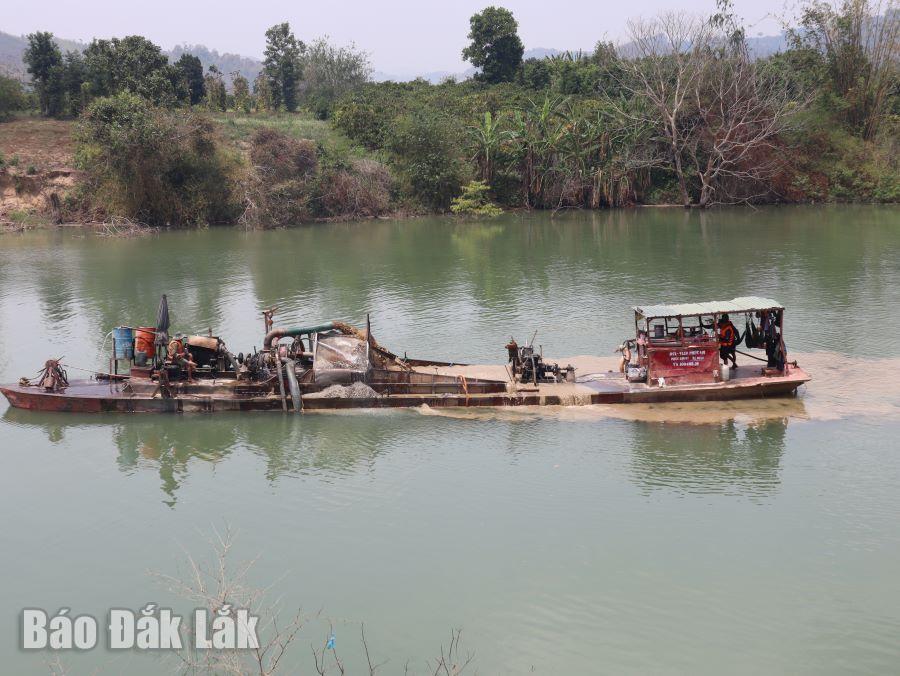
column 282, row 65
column 329, row 72
column 263, row 97
column 535, row 74
column 12, row 97
column 475, row 201
column 155, row 166
column 855, row 49
column 45, row 65
column 494, row 45
column 133, row 64
column 425, row 147
column 216, row 100
column 191, row 71
column 241, row 88
column 31, row 170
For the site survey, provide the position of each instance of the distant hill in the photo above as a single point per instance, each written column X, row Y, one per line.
column 12, row 47
column 227, row 63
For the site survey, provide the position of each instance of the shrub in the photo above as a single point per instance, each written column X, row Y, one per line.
column 279, row 157
column 12, row 96
column 32, row 170
column 155, row 166
column 475, row 201
column 363, row 191
column 426, row 149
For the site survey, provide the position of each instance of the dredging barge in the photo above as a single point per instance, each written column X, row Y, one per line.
column 674, row 356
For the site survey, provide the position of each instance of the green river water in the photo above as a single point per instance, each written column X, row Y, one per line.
column 750, row 537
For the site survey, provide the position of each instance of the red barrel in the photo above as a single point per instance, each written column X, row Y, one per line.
column 143, row 340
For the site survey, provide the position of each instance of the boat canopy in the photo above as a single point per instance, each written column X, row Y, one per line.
column 736, row 306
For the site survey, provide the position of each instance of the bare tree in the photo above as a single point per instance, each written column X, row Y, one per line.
column 741, row 114
column 662, row 66
column 711, row 107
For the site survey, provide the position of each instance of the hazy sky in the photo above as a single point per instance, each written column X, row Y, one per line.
column 402, row 36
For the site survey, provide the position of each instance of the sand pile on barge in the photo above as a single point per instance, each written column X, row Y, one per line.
column 353, row 391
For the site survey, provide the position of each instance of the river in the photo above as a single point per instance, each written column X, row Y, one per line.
column 749, row 537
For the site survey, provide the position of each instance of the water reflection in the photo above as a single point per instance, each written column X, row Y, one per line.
column 724, row 456
column 727, row 457
column 169, row 445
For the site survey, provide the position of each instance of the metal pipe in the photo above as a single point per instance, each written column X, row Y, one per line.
column 281, row 388
column 293, row 385
column 292, row 332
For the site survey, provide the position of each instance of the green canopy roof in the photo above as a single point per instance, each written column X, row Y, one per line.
column 737, row 305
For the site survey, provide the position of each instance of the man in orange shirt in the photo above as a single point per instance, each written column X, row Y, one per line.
column 728, row 337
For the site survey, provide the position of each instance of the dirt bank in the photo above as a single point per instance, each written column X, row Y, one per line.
column 37, row 172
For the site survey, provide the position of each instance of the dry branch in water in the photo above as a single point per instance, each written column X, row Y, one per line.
column 214, row 584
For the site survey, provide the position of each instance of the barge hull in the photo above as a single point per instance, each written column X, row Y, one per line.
column 100, row 397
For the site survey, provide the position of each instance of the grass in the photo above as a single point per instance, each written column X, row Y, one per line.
column 25, row 218
column 240, row 127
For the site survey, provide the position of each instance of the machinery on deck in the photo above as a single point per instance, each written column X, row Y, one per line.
column 528, row 365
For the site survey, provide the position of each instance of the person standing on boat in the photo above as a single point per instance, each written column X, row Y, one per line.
column 727, row 341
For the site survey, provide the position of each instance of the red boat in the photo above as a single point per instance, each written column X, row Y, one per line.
column 676, row 355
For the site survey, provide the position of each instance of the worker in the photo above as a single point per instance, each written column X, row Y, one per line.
column 728, row 337
column 512, row 350
column 177, row 353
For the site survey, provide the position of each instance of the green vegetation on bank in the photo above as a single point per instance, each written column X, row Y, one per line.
column 683, row 113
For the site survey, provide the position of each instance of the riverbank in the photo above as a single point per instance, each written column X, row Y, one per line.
column 40, row 185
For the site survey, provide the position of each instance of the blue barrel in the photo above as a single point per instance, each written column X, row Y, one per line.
column 123, row 338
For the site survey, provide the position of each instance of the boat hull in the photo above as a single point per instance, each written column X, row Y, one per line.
column 117, row 397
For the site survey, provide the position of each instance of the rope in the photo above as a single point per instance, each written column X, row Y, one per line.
column 94, row 371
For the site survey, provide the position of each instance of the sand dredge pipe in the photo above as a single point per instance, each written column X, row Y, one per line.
column 274, row 334
column 293, row 385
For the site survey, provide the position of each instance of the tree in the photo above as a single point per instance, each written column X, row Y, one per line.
column 709, row 108
column 426, row 149
column 241, row 89
column 191, row 71
column 859, row 44
column 329, row 72
column 495, row 46
column 282, row 65
column 12, row 96
column 131, row 64
column 73, row 75
column 535, row 74
column 487, row 138
column 263, row 98
column 45, row 65
column 216, row 98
